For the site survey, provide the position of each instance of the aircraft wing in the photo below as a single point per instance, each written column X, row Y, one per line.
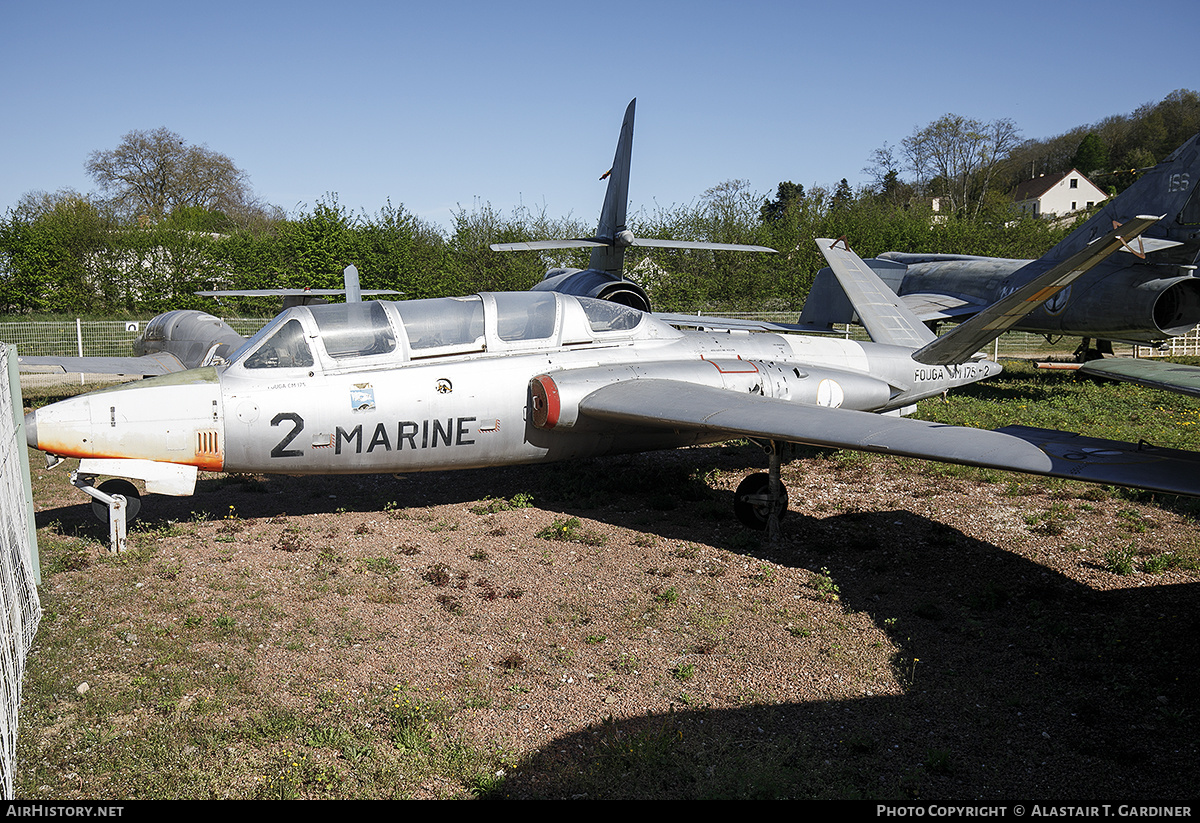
column 1170, row 376
column 648, row 242
column 696, row 244
column 298, row 297
column 912, row 259
column 678, row 405
column 288, row 292
column 146, row 365
column 534, row 245
column 1149, row 245
column 696, row 321
column 1139, row 465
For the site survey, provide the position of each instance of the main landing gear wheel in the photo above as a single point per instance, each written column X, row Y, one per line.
column 133, row 499
column 1086, row 353
column 752, row 501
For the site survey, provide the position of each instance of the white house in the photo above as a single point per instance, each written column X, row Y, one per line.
column 1057, row 194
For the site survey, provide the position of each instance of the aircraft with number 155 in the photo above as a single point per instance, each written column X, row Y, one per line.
column 1144, row 295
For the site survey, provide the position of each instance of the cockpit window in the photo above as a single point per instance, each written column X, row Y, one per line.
column 156, row 329
column 525, row 315
column 604, row 315
column 354, row 329
column 287, row 348
column 442, row 321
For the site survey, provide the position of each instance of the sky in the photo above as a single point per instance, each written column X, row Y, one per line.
column 439, row 107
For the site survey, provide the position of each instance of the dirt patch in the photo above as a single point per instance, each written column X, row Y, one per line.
column 918, row 632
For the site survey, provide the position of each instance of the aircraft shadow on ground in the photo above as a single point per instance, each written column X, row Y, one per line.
column 639, row 491
column 1020, row 684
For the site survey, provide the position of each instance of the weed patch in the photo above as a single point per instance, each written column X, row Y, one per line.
column 570, row 530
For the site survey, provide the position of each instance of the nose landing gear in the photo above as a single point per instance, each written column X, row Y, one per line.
column 115, row 502
column 133, row 499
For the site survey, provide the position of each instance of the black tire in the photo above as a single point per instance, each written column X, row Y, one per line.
column 754, row 515
column 133, row 499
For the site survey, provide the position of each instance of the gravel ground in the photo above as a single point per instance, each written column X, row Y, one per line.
column 918, row 633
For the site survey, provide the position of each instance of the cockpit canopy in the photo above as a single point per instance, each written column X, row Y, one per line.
column 388, row 333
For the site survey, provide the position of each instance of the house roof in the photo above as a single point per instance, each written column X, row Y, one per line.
column 1032, row 189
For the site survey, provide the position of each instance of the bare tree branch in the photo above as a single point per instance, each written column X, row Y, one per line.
column 153, row 173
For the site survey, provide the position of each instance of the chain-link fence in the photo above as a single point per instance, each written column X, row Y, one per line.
column 19, row 576
column 90, row 338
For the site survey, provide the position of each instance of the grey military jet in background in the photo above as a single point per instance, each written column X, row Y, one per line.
column 1145, row 294
column 511, row 378
column 171, row 342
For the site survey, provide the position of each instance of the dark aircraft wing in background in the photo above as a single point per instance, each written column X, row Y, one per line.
column 146, row 365
column 1170, row 376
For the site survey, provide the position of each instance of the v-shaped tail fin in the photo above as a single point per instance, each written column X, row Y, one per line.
column 881, row 311
column 964, row 340
column 888, row 320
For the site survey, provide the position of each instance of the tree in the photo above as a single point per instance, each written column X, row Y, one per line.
column 474, row 267
column 48, row 252
column 729, row 212
column 38, row 203
column 786, row 195
column 886, row 185
column 1159, row 128
column 883, row 167
column 1092, row 155
column 962, row 155
column 843, row 196
column 153, row 173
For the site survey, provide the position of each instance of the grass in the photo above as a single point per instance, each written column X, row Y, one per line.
column 1119, row 560
column 187, row 684
column 826, row 588
column 667, row 597
column 492, row 505
column 1027, row 396
column 570, row 530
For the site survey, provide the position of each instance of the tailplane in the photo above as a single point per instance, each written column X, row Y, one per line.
column 307, row 297
column 879, row 309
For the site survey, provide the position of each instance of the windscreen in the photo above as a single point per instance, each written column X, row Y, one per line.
column 286, row 348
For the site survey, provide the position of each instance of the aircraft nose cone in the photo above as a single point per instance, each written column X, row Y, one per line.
column 31, row 429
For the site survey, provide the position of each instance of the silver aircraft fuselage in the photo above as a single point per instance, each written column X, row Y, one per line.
column 453, row 383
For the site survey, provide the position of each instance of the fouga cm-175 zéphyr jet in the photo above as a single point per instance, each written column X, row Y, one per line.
column 523, row 377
